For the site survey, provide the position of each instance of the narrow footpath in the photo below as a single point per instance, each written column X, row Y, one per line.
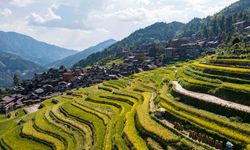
column 210, row 98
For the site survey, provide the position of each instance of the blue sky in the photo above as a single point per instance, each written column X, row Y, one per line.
column 78, row 24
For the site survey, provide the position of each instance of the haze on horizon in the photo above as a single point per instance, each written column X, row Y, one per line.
column 83, row 23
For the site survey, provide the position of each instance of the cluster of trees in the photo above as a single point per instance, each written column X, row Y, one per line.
column 221, row 24
column 3, row 92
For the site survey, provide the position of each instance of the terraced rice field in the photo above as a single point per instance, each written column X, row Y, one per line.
column 143, row 111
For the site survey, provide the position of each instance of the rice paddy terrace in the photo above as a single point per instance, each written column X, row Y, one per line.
column 202, row 104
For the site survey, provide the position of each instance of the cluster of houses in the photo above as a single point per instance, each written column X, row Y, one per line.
column 55, row 81
column 243, row 27
column 188, row 48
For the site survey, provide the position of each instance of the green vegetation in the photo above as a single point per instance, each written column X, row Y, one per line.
column 143, row 111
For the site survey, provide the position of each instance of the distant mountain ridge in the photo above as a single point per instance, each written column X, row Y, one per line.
column 30, row 49
column 11, row 64
column 71, row 60
column 157, row 32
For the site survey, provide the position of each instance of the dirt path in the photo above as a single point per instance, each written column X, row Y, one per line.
column 210, row 98
column 32, row 109
column 152, row 103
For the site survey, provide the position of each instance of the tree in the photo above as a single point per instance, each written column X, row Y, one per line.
column 229, row 24
column 62, row 67
column 222, row 23
column 16, row 79
column 240, row 16
column 205, row 32
column 236, row 41
column 215, row 27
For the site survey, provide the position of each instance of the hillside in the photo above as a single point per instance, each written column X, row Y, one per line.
column 71, row 60
column 219, row 26
column 31, row 49
column 157, row 109
column 156, row 32
column 11, row 64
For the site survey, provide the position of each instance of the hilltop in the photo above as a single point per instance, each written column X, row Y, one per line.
column 30, row 49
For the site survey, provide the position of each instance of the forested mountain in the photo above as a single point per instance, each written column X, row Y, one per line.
column 71, row 60
column 11, row 64
column 218, row 26
column 30, row 49
column 156, row 32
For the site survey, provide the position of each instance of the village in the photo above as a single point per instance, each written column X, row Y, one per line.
column 56, row 81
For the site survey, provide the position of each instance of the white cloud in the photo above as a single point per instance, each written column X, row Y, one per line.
column 21, row 3
column 5, row 12
column 87, row 22
column 41, row 19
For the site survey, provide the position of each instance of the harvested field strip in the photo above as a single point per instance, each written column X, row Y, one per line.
column 42, row 125
column 209, row 125
column 20, row 142
column 30, row 132
column 98, row 126
column 83, row 129
column 150, row 127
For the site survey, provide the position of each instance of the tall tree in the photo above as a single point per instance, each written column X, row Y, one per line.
column 16, row 79
column 229, row 23
column 222, row 23
column 205, row 31
column 215, row 27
